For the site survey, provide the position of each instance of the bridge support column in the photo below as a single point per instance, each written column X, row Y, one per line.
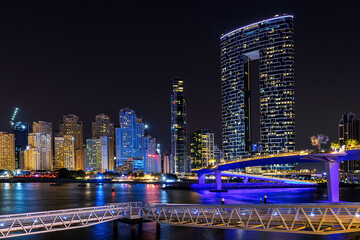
column 332, row 180
column 246, row 180
column 201, row 178
column 218, row 180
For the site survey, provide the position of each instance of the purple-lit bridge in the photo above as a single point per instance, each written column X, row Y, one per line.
column 316, row 218
column 331, row 161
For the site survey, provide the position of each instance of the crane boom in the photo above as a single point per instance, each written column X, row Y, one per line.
column 13, row 116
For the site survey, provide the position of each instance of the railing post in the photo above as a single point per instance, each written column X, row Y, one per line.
column 332, row 180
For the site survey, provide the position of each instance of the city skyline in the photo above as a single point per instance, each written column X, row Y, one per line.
column 315, row 86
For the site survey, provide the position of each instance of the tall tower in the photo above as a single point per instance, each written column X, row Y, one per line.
column 71, row 125
column 348, row 129
column 21, row 132
column 257, row 84
column 64, row 152
column 102, row 127
column 38, row 152
column 7, row 151
column 202, row 148
column 179, row 163
column 46, row 129
column 42, row 126
column 130, row 141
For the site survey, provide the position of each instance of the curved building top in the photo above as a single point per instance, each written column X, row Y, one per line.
column 253, row 24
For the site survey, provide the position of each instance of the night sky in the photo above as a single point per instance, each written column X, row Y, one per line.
column 91, row 57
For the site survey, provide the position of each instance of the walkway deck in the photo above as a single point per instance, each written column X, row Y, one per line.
column 292, row 218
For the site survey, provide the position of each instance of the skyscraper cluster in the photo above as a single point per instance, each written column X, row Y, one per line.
column 131, row 149
column 258, row 116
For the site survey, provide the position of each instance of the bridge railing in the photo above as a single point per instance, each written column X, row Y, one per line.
column 13, row 225
column 261, row 157
column 301, row 218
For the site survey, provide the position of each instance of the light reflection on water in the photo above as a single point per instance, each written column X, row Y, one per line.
column 31, row 197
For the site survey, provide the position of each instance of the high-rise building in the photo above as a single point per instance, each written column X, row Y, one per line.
column 21, row 132
column 202, row 148
column 218, row 154
column 130, row 141
column 7, row 151
column 96, row 154
column 71, row 125
column 178, row 127
column 64, row 152
column 165, row 160
column 348, row 129
column 45, row 128
column 103, row 127
column 151, row 155
column 38, row 152
column 257, row 84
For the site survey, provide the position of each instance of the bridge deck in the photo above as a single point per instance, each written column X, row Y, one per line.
column 302, row 218
column 292, row 218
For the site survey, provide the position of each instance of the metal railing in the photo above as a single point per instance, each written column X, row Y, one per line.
column 14, row 225
column 293, row 218
column 301, row 218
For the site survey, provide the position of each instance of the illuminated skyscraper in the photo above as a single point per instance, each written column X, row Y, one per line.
column 96, row 154
column 257, row 81
column 130, row 141
column 38, row 152
column 165, row 160
column 71, row 125
column 349, row 129
column 7, row 151
column 202, row 148
column 179, row 163
column 151, row 156
column 103, row 127
column 44, row 127
column 21, row 132
column 64, row 152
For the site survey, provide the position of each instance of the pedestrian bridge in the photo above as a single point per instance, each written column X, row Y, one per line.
column 331, row 161
column 318, row 218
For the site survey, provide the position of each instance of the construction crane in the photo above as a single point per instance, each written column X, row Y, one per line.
column 13, row 116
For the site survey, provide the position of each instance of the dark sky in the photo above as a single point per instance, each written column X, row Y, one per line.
column 91, row 57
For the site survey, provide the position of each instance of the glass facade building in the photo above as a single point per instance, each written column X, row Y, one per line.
column 257, row 81
column 179, row 162
column 21, row 132
column 202, row 148
column 348, row 129
column 130, row 140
